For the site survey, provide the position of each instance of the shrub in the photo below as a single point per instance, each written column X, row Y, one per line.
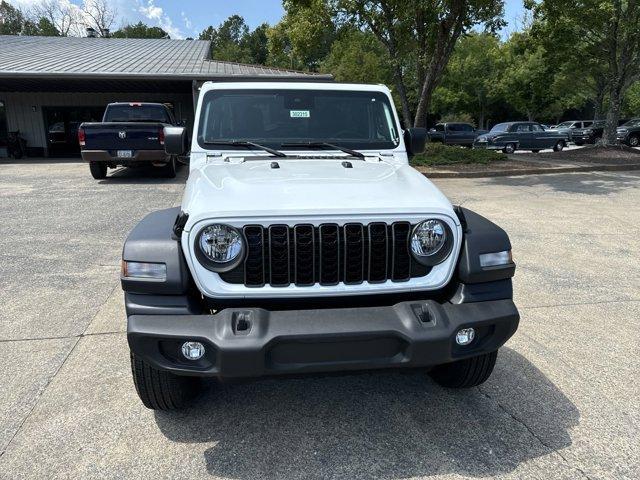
column 439, row 154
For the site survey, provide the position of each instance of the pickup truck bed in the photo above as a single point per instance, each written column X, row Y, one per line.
column 139, row 141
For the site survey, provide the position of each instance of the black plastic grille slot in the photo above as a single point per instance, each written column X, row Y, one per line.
column 254, row 264
column 329, row 254
column 304, row 249
column 279, row 255
column 377, row 233
column 401, row 258
column 353, row 253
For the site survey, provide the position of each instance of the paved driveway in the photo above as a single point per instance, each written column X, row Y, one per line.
column 563, row 401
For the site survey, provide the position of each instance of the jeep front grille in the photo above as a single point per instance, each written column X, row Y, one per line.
column 305, row 255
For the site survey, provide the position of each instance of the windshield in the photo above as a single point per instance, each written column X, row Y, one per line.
column 634, row 122
column 501, row 127
column 357, row 120
column 136, row 113
column 565, row 125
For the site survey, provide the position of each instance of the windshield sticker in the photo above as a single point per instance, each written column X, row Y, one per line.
column 299, row 113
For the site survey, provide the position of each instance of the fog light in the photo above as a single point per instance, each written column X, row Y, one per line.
column 465, row 336
column 192, row 350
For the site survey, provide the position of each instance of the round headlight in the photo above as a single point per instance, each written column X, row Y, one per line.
column 428, row 241
column 220, row 245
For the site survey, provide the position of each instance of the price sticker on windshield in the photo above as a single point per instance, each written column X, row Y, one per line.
column 299, row 113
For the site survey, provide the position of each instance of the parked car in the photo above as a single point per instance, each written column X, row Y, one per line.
column 567, row 128
column 512, row 136
column 130, row 134
column 454, row 133
column 629, row 133
column 306, row 243
column 591, row 134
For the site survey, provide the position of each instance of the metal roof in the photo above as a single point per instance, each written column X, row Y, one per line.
column 124, row 58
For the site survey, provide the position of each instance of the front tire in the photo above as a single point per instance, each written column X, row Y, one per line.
column 509, row 148
column 559, row 146
column 160, row 390
column 98, row 170
column 466, row 373
column 634, row 141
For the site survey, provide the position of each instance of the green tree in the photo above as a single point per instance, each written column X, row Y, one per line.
column 140, row 30
column 227, row 41
column 358, row 57
column 607, row 32
column 11, row 19
column 256, row 45
column 527, row 80
column 469, row 84
column 420, row 34
column 41, row 27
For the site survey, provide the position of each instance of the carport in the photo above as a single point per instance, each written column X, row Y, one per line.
column 49, row 85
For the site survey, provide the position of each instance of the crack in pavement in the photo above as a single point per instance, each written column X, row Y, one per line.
column 55, row 374
column 81, row 335
column 534, row 434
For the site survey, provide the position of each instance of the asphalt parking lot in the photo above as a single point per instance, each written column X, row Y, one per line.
column 563, row 402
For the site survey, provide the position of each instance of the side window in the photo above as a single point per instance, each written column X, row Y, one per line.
column 453, row 127
column 587, row 124
column 522, row 128
column 466, row 127
column 536, row 128
column 439, row 128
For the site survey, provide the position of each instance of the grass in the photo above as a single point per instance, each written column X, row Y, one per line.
column 439, row 154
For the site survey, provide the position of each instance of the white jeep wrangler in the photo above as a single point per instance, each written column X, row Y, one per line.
column 306, row 243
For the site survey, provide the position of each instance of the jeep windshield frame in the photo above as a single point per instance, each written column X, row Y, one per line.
column 357, row 120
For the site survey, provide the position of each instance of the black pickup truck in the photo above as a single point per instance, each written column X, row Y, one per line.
column 629, row 133
column 130, row 134
column 454, row 133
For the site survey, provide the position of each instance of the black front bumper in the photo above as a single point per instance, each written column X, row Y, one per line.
column 252, row 342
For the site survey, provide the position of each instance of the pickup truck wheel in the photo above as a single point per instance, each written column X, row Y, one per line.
column 98, row 170
column 169, row 170
column 160, row 390
column 466, row 373
column 634, row 141
column 559, row 146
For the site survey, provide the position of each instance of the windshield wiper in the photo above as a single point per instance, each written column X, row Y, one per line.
column 243, row 143
column 353, row 153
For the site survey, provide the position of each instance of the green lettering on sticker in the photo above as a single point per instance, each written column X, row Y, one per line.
column 299, row 113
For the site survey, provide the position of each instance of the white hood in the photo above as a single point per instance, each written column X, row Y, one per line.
column 309, row 186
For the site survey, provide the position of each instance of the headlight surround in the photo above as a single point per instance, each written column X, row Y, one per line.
column 219, row 247
column 431, row 241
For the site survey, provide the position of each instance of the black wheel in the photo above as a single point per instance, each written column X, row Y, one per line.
column 98, row 170
column 634, row 141
column 509, row 148
column 466, row 373
column 160, row 390
column 535, row 151
column 559, row 146
column 169, row 170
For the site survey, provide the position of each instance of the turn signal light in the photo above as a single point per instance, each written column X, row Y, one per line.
column 144, row 270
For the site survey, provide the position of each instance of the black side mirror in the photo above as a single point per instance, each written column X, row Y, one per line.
column 415, row 140
column 175, row 140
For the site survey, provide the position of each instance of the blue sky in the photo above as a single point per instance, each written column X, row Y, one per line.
column 187, row 18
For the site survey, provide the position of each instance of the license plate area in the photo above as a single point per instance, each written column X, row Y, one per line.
column 124, row 153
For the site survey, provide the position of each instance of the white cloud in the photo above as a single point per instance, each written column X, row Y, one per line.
column 153, row 12
column 186, row 21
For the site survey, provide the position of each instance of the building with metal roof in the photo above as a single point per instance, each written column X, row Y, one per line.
column 48, row 85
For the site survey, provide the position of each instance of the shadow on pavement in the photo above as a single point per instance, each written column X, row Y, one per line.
column 142, row 175
column 377, row 425
column 593, row 183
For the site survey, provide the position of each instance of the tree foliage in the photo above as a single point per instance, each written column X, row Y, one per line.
column 140, row 30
